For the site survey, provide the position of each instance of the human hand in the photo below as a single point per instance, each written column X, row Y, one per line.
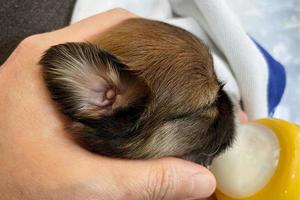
column 40, row 161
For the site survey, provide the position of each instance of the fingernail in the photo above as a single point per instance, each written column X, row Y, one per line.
column 203, row 185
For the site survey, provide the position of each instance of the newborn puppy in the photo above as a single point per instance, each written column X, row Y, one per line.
column 147, row 90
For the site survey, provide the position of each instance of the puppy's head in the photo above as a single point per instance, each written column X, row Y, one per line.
column 148, row 91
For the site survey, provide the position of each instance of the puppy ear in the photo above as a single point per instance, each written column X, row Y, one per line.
column 88, row 82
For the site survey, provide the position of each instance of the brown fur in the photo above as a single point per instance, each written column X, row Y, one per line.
column 164, row 99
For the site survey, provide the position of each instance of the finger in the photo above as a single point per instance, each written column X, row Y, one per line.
column 167, row 178
column 88, row 29
column 243, row 117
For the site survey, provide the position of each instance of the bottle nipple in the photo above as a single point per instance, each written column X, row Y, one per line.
column 249, row 164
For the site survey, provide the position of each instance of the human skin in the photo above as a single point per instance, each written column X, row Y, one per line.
column 40, row 161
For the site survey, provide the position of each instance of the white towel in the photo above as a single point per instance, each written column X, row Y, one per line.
column 238, row 62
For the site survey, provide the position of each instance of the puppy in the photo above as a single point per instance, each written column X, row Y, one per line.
column 147, row 90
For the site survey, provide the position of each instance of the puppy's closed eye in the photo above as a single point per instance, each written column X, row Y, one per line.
column 148, row 90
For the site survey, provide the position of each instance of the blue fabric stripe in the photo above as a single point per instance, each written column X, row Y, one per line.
column 276, row 82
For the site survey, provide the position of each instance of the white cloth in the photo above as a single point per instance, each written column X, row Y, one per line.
column 237, row 60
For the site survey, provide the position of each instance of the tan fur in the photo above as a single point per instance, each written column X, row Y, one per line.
column 163, row 54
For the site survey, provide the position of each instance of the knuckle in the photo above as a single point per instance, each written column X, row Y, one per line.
column 123, row 12
column 162, row 179
column 29, row 44
column 32, row 43
column 119, row 10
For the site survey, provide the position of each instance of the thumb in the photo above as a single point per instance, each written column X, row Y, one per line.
column 167, row 178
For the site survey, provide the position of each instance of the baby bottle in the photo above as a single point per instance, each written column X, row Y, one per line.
column 262, row 164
